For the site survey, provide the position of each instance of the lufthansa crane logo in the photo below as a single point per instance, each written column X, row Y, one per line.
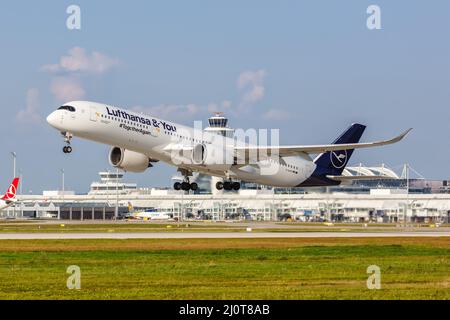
column 338, row 158
column 11, row 193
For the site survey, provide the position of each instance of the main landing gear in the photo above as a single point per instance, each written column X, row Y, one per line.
column 185, row 185
column 67, row 137
column 228, row 185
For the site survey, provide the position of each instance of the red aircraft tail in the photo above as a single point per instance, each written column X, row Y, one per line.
column 12, row 190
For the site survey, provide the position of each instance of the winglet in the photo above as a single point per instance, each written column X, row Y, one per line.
column 401, row 136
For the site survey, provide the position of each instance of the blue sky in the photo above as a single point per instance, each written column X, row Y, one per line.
column 312, row 68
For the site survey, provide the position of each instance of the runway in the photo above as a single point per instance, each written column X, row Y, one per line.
column 213, row 235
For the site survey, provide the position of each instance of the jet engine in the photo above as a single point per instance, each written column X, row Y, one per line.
column 212, row 155
column 129, row 160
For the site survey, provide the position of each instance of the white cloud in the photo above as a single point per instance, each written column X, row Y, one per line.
column 30, row 114
column 72, row 68
column 66, row 89
column 249, row 83
column 78, row 61
column 252, row 85
column 276, row 114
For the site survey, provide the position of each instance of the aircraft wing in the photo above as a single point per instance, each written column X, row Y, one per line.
column 307, row 149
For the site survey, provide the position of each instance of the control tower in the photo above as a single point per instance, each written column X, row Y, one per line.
column 218, row 124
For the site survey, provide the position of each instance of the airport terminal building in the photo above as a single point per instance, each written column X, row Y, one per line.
column 377, row 205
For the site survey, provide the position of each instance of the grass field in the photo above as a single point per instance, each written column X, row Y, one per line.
column 411, row 268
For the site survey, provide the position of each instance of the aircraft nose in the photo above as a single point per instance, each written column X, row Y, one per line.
column 51, row 119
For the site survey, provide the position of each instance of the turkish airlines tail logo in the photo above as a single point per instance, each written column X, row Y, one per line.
column 12, row 190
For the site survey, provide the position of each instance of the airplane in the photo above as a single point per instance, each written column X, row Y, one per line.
column 150, row 214
column 138, row 141
column 9, row 197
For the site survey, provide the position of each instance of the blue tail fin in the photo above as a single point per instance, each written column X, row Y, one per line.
column 334, row 162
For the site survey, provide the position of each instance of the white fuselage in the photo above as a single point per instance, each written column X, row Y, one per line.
column 154, row 137
column 151, row 215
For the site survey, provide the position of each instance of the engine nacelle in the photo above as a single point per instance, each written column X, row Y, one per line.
column 129, row 160
column 212, row 155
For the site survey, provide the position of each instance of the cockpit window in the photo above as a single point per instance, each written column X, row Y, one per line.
column 68, row 108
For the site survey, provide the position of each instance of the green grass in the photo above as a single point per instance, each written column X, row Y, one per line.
column 226, row 269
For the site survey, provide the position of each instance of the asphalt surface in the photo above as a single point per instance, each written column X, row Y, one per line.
column 216, row 235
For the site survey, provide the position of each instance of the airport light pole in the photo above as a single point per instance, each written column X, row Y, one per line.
column 21, row 181
column 407, row 193
column 63, row 181
column 274, row 210
column 14, row 155
column 62, row 191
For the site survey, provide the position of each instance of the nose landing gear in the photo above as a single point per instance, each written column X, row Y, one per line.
column 67, row 137
column 67, row 149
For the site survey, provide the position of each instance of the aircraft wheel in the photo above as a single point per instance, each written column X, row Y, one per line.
column 236, row 186
column 65, row 149
column 185, row 186
column 194, row 186
column 219, row 185
column 69, row 149
column 177, row 186
column 227, row 185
